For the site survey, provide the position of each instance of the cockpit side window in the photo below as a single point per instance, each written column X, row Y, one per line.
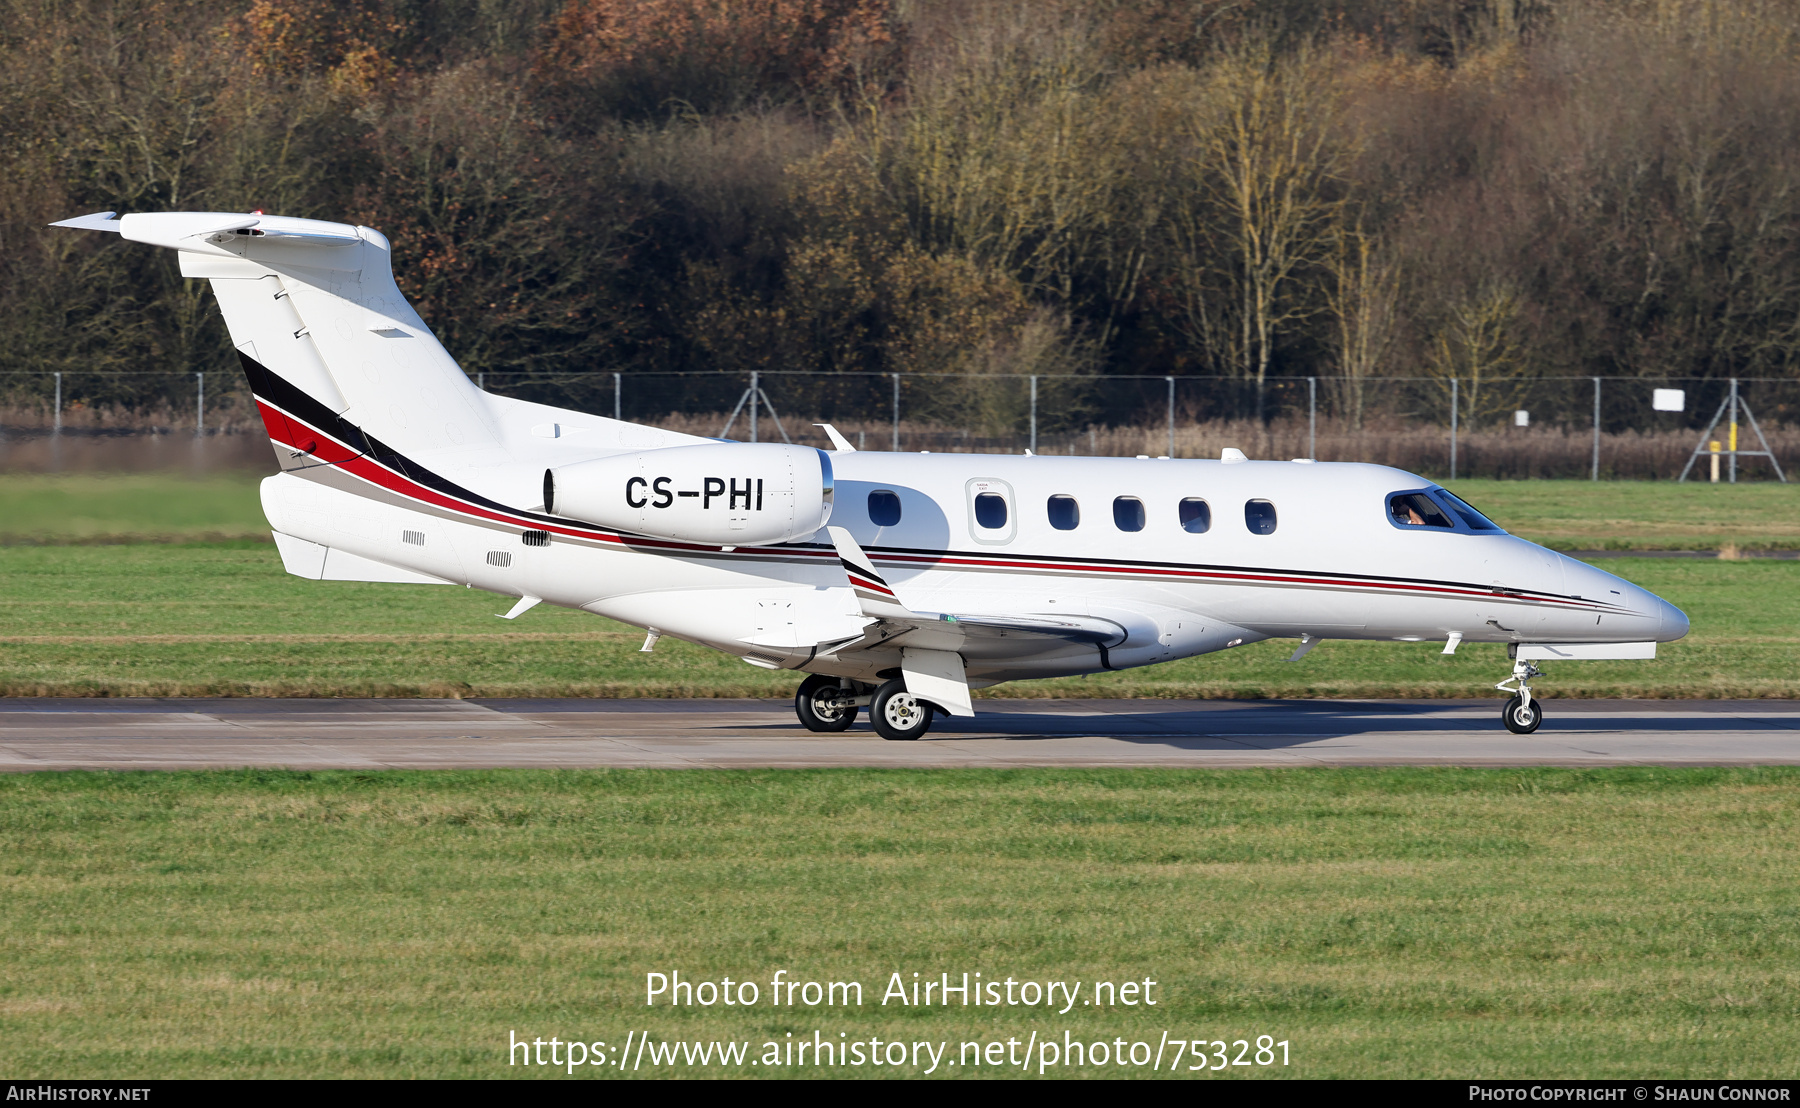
column 1415, row 509
column 1470, row 516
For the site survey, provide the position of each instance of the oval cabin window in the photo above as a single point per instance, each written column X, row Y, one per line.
column 1196, row 516
column 884, row 508
column 990, row 511
column 1259, row 516
column 1065, row 513
column 1128, row 513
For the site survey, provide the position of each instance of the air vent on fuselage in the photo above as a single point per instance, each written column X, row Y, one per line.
column 535, row 538
column 501, row 558
column 413, row 538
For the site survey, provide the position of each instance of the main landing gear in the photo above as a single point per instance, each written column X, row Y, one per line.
column 829, row 704
column 897, row 714
column 825, row 704
column 1522, row 714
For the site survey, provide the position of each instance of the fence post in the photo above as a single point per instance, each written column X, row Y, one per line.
column 1454, row 404
column 1312, row 418
column 1733, row 431
column 1596, row 475
column 896, row 413
column 56, row 425
column 1034, row 413
column 755, row 394
column 617, row 389
column 199, row 404
column 481, row 380
column 1171, row 382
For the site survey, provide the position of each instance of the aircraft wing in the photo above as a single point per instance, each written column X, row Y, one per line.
column 933, row 644
column 881, row 603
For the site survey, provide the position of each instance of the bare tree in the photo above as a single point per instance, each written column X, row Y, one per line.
column 1363, row 293
column 1267, row 188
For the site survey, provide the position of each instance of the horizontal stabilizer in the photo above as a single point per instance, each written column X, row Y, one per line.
column 99, row 221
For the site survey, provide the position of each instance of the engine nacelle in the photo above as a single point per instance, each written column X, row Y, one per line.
column 727, row 493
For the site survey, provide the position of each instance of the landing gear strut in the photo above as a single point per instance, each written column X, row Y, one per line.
column 825, row 703
column 1522, row 714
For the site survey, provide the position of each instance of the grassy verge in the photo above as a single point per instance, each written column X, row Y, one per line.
column 223, row 620
column 1642, row 515
column 130, row 507
column 1385, row 923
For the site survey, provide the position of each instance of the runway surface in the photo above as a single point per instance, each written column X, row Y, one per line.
column 38, row 734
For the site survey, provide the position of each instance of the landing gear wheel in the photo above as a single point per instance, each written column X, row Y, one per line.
column 814, row 704
column 897, row 714
column 1522, row 718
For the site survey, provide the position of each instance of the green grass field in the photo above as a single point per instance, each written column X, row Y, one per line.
column 1392, row 923
column 130, row 507
column 224, row 620
column 1642, row 515
column 1384, row 923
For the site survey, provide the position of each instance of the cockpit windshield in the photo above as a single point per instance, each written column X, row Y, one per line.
column 1475, row 520
column 1415, row 509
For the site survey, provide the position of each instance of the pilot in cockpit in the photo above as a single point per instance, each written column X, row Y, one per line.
column 1415, row 510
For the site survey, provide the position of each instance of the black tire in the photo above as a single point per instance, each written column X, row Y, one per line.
column 813, row 704
column 1520, row 719
column 898, row 715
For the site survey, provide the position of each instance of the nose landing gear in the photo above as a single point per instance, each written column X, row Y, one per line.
column 1522, row 714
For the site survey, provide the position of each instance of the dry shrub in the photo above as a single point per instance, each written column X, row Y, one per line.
column 637, row 56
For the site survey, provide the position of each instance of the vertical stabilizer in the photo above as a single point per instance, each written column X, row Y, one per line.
column 315, row 305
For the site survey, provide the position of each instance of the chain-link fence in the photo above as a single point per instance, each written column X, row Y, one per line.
column 1594, row 427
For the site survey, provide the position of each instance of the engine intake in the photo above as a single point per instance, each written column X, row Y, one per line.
column 728, row 493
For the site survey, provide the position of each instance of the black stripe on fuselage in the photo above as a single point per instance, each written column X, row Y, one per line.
column 275, row 390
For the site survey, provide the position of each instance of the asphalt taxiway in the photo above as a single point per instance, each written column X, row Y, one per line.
column 156, row 733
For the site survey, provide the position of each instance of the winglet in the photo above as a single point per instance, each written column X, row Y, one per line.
column 872, row 592
column 839, row 444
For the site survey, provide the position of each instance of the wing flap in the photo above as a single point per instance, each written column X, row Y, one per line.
column 937, row 676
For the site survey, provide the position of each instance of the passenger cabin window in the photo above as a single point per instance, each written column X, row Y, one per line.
column 1415, row 509
column 1065, row 514
column 1259, row 516
column 884, row 508
column 1475, row 520
column 1196, row 516
column 990, row 510
column 1128, row 513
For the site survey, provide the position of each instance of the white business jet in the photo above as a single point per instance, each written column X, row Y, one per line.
column 898, row 582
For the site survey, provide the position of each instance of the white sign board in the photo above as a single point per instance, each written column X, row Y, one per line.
column 1668, row 400
column 1521, row 418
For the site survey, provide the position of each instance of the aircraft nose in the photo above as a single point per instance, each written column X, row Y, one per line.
column 1674, row 622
